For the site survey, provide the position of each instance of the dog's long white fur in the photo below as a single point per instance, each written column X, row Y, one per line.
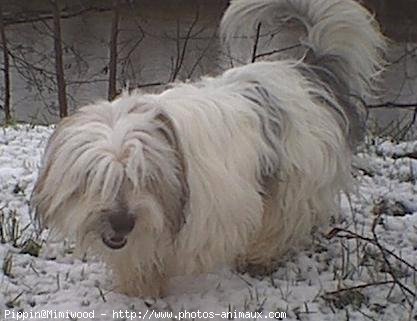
column 235, row 169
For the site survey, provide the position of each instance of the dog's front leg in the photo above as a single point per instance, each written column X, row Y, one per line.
column 145, row 283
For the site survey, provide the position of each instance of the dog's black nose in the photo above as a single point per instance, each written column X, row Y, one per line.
column 122, row 223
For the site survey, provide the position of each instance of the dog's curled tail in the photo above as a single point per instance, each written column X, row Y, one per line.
column 343, row 42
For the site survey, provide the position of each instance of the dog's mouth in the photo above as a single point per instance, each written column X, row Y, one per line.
column 115, row 242
column 120, row 225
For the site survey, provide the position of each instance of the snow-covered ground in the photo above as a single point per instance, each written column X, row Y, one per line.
column 361, row 271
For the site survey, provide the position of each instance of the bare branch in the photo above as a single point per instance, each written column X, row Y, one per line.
column 408, row 52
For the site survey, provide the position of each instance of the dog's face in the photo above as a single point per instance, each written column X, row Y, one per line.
column 120, row 222
column 154, row 210
column 111, row 225
column 112, row 173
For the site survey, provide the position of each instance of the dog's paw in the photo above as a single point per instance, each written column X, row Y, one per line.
column 255, row 269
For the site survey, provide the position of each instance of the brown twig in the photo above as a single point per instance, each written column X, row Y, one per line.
column 359, row 287
column 390, row 104
column 272, row 52
column 352, row 235
column 255, row 44
column 336, row 232
column 390, row 271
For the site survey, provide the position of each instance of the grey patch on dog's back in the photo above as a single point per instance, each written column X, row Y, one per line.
column 328, row 73
column 272, row 118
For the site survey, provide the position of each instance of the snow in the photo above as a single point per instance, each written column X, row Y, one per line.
column 302, row 286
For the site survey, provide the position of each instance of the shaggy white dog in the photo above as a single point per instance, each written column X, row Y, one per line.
column 235, row 169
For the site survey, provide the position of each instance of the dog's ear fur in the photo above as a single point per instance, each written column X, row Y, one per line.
column 170, row 133
column 39, row 199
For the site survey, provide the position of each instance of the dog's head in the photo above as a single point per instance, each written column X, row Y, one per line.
column 111, row 172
